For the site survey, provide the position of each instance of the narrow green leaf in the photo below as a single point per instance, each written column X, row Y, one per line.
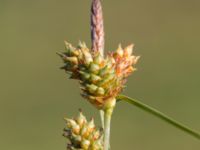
column 160, row 115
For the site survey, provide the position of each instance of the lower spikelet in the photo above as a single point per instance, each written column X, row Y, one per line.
column 101, row 79
column 82, row 135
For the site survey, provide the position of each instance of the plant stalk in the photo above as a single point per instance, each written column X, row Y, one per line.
column 160, row 115
column 102, row 118
column 107, row 123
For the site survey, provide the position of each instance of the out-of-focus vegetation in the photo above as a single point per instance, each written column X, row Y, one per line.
column 35, row 95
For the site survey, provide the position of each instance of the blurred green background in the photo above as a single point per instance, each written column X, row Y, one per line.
column 35, row 95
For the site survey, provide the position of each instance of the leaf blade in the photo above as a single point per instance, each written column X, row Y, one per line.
column 160, row 115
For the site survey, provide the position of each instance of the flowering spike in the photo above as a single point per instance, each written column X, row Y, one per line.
column 85, row 144
column 91, row 88
column 81, row 119
column 95, row 78
column 94, row 68
column 100, row 91
column 88, row 137
column 81, row 45
column 98, row 59
column 91, row 124
column 97, row 27
column 68, row 46
column 119, row 51
column 101, row 78
column 128, row 50
column 87, row 56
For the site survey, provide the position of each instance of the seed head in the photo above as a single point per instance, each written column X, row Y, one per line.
column 82, row 135
column 101, row 79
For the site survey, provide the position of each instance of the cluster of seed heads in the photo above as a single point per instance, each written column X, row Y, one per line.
column 101, row 79
column 82, row 135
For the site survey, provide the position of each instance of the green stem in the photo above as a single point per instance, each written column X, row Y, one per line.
column 159, row 115
column 107, row 122
column 102, row 118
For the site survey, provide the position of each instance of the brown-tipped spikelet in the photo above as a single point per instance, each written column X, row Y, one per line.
column 82, row 135
column 101, row 79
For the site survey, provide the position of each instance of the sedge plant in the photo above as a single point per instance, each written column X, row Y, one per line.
column 102, row 78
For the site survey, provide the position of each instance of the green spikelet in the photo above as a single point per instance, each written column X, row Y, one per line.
column 82, row 135
column 101, row 79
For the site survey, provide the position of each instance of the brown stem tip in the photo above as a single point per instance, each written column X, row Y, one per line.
column 97, row 27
